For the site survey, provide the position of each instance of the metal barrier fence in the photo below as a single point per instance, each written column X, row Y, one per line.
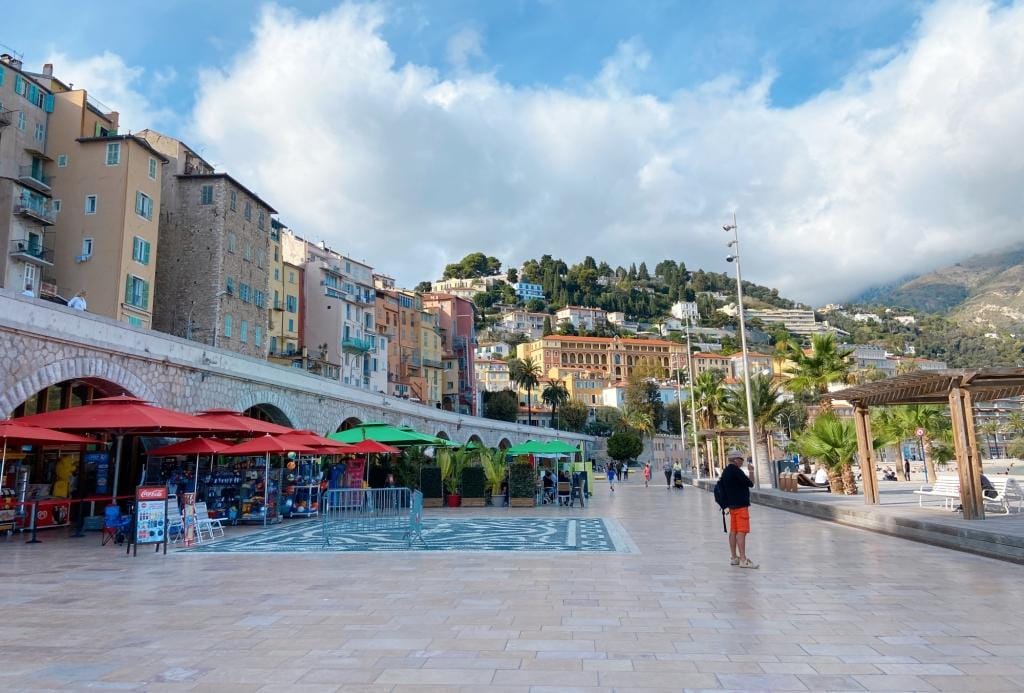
column 353, row 510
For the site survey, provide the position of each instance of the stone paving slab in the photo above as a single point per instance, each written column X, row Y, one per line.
column 831, row 608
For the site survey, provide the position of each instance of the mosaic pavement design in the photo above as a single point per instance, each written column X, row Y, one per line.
column 520, row 535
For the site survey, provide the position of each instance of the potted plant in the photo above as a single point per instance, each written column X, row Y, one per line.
column 430, row 481
column 451, row 474
column 522, row 485
column 474, row 486
column 495, row 471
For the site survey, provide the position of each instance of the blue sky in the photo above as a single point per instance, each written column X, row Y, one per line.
column 857, row 141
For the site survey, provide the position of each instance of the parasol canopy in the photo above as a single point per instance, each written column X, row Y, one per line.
column 241, row 422
column 17, row 433
column 266, row 444
column 371, row 447
column 122, row 415
column 195, row 446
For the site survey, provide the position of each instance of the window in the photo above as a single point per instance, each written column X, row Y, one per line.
column 231, row 242
column 140, row 250
column 248, row 211
column 247, row 252
column 258, row 297
column 229, row 285
column 260, row 259
column 62, row 161
column 260, row 220
column 243, row 332
column 56, row 206
column 152, row 168
column 206, row 195
column 86, row 247
column 134, row 321
column 136, row 292
column 291, row 277
column 40, row 133
column 143, row 205
column 277, row 273
column 291, row 304
column 21, row 120
column 113, row 153
column 257, row 336
column 243, row 292
column 227, row 325
column 90, row 204
column 291, row 324
column 234, row 201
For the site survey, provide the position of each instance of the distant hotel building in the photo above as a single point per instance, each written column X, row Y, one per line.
column 582, row 318
column 526, row 291
column 613, row 357
column 524, row 322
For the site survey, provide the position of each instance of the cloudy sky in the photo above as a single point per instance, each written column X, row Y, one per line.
column 856, row 141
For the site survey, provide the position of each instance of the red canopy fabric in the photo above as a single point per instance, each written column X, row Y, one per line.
column 242, row 423
column 371, row 447
column 266, row 444
column 121, row 415
column 312, row 440
column 17, row 433
column 196, row 446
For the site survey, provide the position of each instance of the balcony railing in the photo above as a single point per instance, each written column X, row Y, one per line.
column 6, row 117
column 356, row 344
column 431, row 363
column 34, row 178
column 35, row 208
column 31, row 252
column 363, row 299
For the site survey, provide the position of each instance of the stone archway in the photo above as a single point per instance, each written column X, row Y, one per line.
column 504, row 444
column 269, row 412
column 274, row 404
column 443, row 435
column 81, row 368
column 476, row 439
column 350, row 422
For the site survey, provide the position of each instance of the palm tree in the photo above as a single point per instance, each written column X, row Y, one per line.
column 931, row 420
column 826, row 364
column 767, row 405
column 555, row 395
column 991, row 430
column 707, row 391
column 526, row 374
column 887, row 426
column 833, row 441
column 1015, row 424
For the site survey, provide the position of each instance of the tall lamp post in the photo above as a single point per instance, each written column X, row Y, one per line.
column 735, row 259
column 694, row 461
column 679, row 404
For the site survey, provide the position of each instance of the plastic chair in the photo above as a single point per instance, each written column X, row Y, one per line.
column 204, row 522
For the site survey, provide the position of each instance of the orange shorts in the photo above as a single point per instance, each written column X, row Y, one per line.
column 739, row 520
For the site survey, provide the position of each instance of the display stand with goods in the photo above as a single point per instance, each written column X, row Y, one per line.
column 220, row 489
column 522, row 485
column 302, row 487
column 259, row 491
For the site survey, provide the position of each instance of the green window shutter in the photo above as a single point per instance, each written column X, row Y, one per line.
column 128, row 289
column 145, row 253
column 1, row 76
column 47, row 103
column 145, row 296
column 96, row 130
column 19, row 84
column 33, row 92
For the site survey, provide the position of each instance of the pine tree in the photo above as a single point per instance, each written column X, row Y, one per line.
column 643, row 273
column 632, row 271
column 547, row 326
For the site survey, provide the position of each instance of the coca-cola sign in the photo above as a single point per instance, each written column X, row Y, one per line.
column 151, row 493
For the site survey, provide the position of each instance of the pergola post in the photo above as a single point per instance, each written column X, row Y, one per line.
column 720, row 440
column 865, row 453
column 967, row 463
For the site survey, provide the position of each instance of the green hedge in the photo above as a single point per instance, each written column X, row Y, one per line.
column 522, row 481
column 430, row 478
column 474, row 483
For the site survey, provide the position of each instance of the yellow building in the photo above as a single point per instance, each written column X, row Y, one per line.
column 613, row 357
column 431, row 352
column 583, row 386
column 275, row 288
column 107, row 188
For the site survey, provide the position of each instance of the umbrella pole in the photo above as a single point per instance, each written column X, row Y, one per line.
column 119, row 438
column 195, row 483
column 266, row 491
column 3, row 463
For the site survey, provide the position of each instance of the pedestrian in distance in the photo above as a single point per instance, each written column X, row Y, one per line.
column 734, row 493
column 77, row 301
column 668, row 474
column 624, row 472
column 647, row 475
column 906, row 470
column 611, row 477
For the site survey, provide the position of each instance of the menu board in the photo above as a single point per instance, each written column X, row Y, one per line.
column 150, row 515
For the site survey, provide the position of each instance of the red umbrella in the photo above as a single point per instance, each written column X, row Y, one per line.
column 195, row 446
column 17, row 433
column 371, row 447
column 312, row 440
column 121, row 416
column 265, row 445
column 241, row 422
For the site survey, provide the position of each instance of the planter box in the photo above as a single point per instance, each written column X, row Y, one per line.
column 431, row 502
column 472, row 502
column 523, row 502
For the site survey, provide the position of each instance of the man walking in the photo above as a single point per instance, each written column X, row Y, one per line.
column 668, row 474
column 736, row 486
column 906, row 470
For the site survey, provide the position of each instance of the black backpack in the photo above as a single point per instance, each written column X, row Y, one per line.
column 720, row 499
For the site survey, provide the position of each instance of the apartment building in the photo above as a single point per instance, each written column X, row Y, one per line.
column 492, row 375
column 582, row 385
column 704, row 362
column 466, row 288
column 524, row 322
column 614, row 357
column 683, row 310
column 398, row 317
column 107, row 194
column 27, row 213
column 456, row 321
column 526, row 291
column 432, row 353
column 494, row 350
column 213, row 276
column 340, row 301
column 582, row 318
column 760, row 364
column 289, row 333
column 796, row 320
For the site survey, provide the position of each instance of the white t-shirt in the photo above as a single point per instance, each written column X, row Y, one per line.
column 77, row 303
column 821, row 477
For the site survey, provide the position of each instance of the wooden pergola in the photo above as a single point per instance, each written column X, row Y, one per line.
column 720, row 435
column 959, row 389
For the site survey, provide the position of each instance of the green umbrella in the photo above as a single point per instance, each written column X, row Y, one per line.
column 529, row 447
column 560, row 447
column 387, row 434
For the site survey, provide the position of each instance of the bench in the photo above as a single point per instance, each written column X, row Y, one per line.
column 1007, row 491
column 947, row 487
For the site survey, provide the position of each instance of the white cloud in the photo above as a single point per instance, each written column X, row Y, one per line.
column 119, row 86
column 463, row 46
column 917, row 159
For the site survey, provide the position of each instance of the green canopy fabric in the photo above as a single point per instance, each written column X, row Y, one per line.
column 529, row 447
column 560, row 447
column 387, row 434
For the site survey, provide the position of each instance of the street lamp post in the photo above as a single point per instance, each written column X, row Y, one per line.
column 679, row 404
column 694, row 459
column 735, row 258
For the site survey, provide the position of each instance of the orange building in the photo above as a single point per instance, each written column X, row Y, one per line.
column 612, row 356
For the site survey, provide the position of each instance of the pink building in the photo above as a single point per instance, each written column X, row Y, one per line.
column 458, row 331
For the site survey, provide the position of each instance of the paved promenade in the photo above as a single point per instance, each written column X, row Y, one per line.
column 832, row 608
